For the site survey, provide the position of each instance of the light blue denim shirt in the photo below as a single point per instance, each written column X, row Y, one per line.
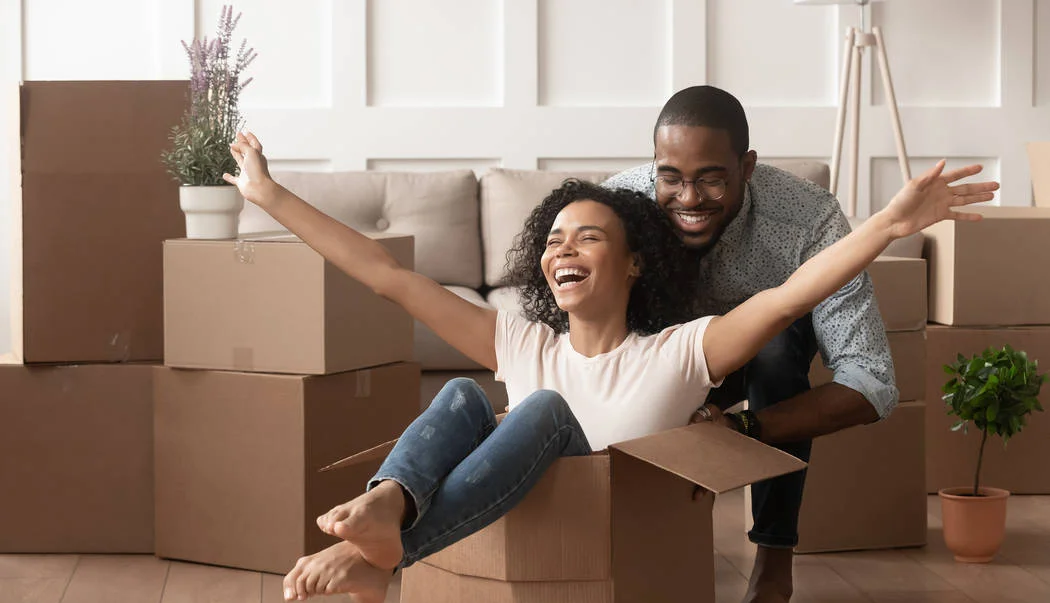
column 784, row 221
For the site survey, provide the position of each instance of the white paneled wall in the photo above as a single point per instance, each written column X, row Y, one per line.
column 565, row 84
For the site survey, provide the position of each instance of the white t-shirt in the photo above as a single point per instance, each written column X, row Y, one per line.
column 646, row 385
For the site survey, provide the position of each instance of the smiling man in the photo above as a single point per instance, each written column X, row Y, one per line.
column 755, row 224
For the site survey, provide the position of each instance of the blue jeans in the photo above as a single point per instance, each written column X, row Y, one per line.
column 462, row 471
column 780, row 371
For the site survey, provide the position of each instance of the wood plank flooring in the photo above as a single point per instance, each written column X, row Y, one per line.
column 1020, row 574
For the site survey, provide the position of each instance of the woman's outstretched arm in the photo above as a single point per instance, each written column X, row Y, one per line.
column 468, row 328
column 730, row 341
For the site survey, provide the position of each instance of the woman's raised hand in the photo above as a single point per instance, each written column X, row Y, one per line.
column 931, row 198
column 253, row 177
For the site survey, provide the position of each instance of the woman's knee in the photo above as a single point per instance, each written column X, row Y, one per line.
column 462, row 393
column 546, row 401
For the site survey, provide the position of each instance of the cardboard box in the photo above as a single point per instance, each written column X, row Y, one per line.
column 237, row 457
column 866, row 486
column 632, row 525
column 76, row 459
column 986, row 272
column 94, row 206
column 908, row 349
column 951, row 456
column 1039, row 163
column 900, row 291
column 275, row 305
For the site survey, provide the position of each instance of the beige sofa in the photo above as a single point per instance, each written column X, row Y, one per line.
column 463, row 228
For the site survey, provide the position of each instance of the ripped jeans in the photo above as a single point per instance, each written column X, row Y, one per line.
column 464, row 472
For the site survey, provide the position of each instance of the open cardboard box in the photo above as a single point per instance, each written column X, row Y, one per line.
column 630, row 525
column 271, row 304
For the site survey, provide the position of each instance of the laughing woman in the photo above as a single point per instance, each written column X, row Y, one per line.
column 605, row 352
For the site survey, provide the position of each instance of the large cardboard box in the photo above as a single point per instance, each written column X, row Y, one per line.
column 630, row 525
column 76, row 459
column 94, row 205
column 866, row 486
column 237, row 456
column 908, row 349
column 951, row 456
column 900, row 291
column 1039, row 163
column 987, row 272
column 275, row 305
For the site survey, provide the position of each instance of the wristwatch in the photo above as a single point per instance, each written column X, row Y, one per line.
column 746, row 422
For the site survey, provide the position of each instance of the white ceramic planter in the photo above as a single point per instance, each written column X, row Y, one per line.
column 212, row 212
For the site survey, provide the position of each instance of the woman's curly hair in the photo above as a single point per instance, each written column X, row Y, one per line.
column 664, row 294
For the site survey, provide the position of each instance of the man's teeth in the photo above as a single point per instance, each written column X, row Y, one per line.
column 693, row 218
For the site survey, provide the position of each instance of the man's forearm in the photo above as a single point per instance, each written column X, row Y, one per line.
column 822, row 410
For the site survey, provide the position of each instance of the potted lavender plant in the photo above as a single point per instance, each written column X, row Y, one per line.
column 200, row 152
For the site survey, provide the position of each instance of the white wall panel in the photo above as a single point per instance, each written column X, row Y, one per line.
column 79, row 40
column 941, row 52
column 886, row 175
column 425, row 53
column 1042, row 53
column 432, row 165
column 294, row 42
column 590, row 164
column 10, row 73
column 604, row 53
column 300, row 165
column 773, row 53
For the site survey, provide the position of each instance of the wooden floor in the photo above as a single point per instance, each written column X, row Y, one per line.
column 1021, row 573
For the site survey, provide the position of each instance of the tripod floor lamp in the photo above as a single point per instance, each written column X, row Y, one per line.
column 857, row 40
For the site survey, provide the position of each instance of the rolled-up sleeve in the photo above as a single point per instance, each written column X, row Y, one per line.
column 850, row 333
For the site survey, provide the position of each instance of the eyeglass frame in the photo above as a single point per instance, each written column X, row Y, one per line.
column 700, row 195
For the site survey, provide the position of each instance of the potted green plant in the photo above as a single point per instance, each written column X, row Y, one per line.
column 995, row 391
column 200, row 152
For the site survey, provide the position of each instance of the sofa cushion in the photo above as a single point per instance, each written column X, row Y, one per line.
column 505, row 298
column 440, row 209
column 433, row 353
column 507, row 198
column 816, row 172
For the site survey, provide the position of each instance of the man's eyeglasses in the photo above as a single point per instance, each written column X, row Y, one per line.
column 710, row 189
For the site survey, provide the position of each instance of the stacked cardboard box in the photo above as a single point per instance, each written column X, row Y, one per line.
column 865, row 487
column 293, row 364
column 987, row 289
column 92, row 205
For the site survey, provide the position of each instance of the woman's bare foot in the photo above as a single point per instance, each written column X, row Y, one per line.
column 338, row 569
column 372, row 522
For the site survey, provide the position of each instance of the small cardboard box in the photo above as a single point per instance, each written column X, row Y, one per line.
column 92, row 204
column 908, row 349
column 630, row 525
column 1039, row 163
column 987, row 272
column 274, row 305
column 237, row 453
column 900, row 291
column 76, row 458
column 951, row 456
column 866, row 486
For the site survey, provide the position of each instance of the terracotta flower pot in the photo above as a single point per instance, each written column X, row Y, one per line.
column 974, row 526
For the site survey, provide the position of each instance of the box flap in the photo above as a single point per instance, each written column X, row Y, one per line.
column 1000, row 212
column 711, row 456
column 376, row 452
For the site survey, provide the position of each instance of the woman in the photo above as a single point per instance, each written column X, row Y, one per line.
column 597, row 369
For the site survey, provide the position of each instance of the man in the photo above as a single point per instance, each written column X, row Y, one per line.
column 755, row 225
